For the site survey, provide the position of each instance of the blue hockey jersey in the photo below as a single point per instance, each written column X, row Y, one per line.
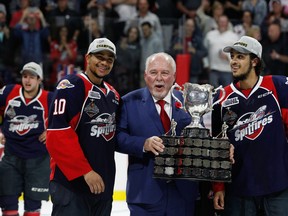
column 23, row 122
column 258, row 126
column 81, row 133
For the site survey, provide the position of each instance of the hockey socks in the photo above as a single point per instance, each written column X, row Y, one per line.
column 10, row 213
column 36, row 213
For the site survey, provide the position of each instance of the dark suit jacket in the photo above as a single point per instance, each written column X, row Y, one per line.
column 138, row 121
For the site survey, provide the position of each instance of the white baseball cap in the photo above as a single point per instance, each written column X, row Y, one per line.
column 246, row 45
column 101, row 44
column 34, row 68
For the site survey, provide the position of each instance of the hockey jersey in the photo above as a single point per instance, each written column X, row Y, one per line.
column 23, row 122
column 258, row 126
column 81, row 133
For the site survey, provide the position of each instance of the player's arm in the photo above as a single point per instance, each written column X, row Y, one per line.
column 218, row 187
column 62, row 140
column 219, row 195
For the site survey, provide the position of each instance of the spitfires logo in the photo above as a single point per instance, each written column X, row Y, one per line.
column 104, row 125
column 64, row 84
column 252, row 124
column 23, row 124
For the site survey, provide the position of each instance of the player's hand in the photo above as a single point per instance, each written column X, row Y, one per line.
column 95, row 182
column 231, row 153
column 42, row 137
column 154, row 144
column 218, row 200
column 2, row 138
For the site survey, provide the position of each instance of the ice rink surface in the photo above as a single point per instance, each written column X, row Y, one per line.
column 119, row 208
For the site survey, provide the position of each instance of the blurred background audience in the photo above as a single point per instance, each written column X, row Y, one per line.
column 56, row 34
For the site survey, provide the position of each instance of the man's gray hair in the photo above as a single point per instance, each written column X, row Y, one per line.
column 168, row 58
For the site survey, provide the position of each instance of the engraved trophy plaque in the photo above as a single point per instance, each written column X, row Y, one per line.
column 195, row 154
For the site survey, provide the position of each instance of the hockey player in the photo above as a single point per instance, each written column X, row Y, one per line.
column 255, row 109
column 81, row 137
column 25, row 165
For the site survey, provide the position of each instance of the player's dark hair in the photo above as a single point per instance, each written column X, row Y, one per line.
column 260, row 65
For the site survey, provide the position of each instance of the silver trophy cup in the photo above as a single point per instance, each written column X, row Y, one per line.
column 197, row 100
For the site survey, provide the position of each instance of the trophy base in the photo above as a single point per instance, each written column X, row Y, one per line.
column 194, row 158
column 196, row 132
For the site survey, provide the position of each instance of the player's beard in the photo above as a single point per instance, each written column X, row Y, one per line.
column 95, row 74
column 244, row 75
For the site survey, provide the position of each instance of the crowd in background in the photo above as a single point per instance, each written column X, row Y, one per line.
column 56, row 34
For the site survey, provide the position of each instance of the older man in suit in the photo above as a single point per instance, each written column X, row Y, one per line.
column 138, row 132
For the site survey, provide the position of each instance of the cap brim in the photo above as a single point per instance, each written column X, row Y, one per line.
column 29, row 71
column 237, row 48
column 103, row 49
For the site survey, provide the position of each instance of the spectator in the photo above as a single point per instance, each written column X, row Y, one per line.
column 258, row 8
column 63, row 15
column 276, row 14
column 21, row 13
column 25, row 165
column 47, row 5
column 233, row 9
column 91, row 30
column 106, row 16
column 275, row 51
column 193, row 45
column 32, row 40
column 124, row 9
column 283, row 2
column 144, row 15
column 126, row 75
column 202, row 13
column 214, row 41
column 212, row 23
column 6, row 5
column 150, row 43
column 7, row 49
column 63, row 53
column 188, row 8
column 247, row 23
column 165, row 10
column 255, row 32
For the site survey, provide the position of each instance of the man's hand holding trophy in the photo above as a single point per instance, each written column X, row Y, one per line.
column 195, row 154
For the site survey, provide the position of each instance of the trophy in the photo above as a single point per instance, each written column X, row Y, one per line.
column 197, row 102
column 195, row 154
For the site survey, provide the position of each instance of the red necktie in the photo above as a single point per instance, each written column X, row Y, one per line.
column 164, row 117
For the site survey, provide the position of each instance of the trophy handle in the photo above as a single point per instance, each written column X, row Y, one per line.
column 223, row 94
column 180, row 89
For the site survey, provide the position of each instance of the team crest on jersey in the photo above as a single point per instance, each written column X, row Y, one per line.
column 104, row 125
column 251, row 124
column 64, row 84
column 10, row 112
column 91, row 109
column 23, row 124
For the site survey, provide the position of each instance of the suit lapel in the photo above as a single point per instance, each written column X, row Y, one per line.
column 150, row 110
